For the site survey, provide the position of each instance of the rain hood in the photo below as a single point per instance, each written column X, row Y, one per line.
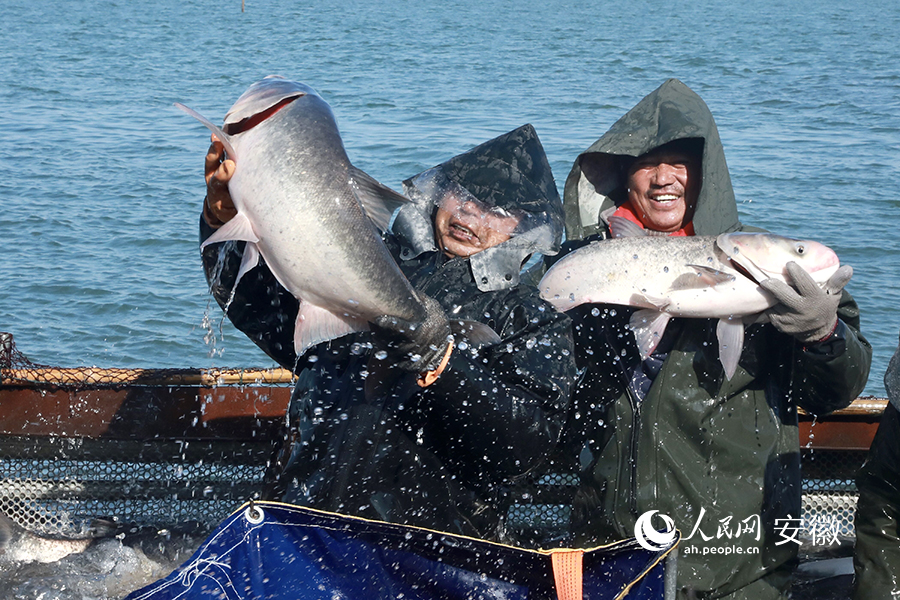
column 596, row 185
column 509, row 173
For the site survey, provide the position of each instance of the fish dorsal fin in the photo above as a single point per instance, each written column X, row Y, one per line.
column 474, row 332
column 223, row 137
column 648, row 326
column 620, row 227
column 238, row 229
column 730, row 333
column 712, row 277
column 315, row 325
column 378, row 201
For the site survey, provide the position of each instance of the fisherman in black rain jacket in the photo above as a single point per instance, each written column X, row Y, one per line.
column 671, row 433
column 877, row 557
column 364, row 438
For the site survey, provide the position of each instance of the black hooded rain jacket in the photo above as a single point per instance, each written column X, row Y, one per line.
column 364, row 441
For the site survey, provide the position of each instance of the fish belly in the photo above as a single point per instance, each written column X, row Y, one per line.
column 655, row 273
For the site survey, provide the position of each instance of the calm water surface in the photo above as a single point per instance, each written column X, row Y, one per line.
column 102, row 182
column 102, row 178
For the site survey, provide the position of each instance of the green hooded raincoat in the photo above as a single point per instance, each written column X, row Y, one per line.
column 877, row 557
column 720, row 457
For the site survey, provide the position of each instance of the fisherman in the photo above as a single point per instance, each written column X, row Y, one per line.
column 877, row 557
column 671, row 433
column 368, row 436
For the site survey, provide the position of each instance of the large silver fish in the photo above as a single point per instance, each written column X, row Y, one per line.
column 704, row 277
column 309, row 213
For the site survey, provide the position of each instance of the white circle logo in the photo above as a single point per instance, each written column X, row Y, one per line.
column 651, row 539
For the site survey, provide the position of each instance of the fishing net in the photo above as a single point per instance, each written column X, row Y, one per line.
column 17, row 369
column 91, row 452
column 829, row 494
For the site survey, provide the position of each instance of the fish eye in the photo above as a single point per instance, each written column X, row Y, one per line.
column 801, row 249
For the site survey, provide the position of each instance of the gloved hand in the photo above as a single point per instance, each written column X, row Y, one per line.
column 415, row 347
column 806, row 311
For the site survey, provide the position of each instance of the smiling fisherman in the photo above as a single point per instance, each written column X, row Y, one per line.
column 365, row 437
column 671, row 433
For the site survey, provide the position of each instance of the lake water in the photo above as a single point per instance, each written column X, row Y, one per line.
column 101, row 178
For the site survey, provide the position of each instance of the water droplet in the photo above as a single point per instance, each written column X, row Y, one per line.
column 381, row 355
column 595, row 312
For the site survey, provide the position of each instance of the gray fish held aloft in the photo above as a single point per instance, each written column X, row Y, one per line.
column 707, row 277
column 312, row 215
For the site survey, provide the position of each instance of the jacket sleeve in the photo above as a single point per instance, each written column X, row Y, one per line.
column 502, row 409
column 877, row 556
column 830, row 375
column 261, row 308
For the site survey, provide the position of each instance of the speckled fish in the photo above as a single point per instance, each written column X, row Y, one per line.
column 704, row 277
column 309, row 212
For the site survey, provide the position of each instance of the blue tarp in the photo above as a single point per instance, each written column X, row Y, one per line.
column 277, row 551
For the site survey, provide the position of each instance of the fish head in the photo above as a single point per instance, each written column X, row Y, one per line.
column 764, row 255
column 262, row 100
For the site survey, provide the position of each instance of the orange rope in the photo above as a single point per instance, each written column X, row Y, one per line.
column 429, row 377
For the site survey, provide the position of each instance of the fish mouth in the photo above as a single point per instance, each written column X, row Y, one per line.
column 252, row 121
column 743, row 271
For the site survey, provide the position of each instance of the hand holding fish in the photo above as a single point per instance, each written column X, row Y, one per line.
column 218, row 208
column 415, row 347
column 806, row 311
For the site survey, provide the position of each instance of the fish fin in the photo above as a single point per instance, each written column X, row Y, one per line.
column 712, row 277
column 378, row 201
column 648, row 326
column 223, row 137
column 315, row 325
column 249, row 260
column 730, row 333
column 621, row 227
column 238, row 228
column 650, row 302
column 474, row 332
